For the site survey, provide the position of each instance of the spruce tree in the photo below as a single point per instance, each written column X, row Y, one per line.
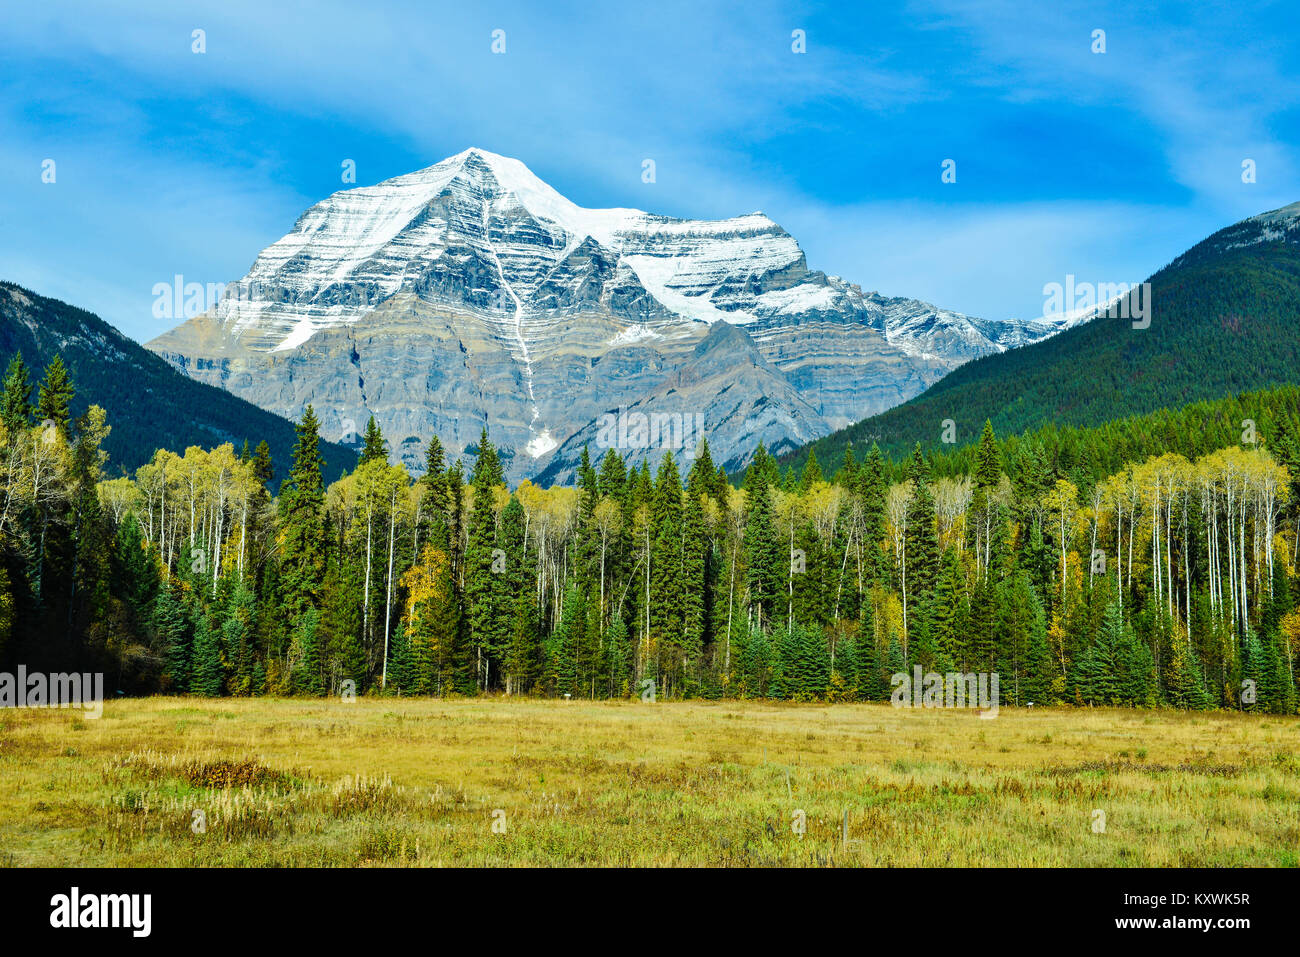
column 523, row 654
column 486, row 570
column 134, row 573
column 667, row 591
column 436, row 507
column 617, row 658
column 988, row 460
column 813, row 663
column 950, row 617
column 1039, row 669
column 373, row 446
column 208, row 677
column 920, row 545
column 263, row 470
column 696, row 577
column 402, row 667
column 237, row 638
column 1138, row 672
column 55, row 396
column 812, row 472
column 1184, row 687
column 16, row 404
column 765, row 558
column 896, row 663
column 847, row 476
column 306, row 677
column 341, row 618
column 871, row 491
column 302, row 522
column 172, row 627
column 867, row 666
column 1100, row 675
column 757, row 665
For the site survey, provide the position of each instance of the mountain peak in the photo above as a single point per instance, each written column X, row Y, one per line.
column 1276, row 225
column 1284, row 214
column 499, row 178
column 472, row 291
column 510, row 174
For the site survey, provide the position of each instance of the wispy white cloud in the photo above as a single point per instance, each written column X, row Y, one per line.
column 176, row 162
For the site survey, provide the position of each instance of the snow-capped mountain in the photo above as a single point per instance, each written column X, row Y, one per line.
column 472, row 293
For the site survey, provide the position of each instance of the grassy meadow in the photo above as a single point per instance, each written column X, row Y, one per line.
column 494, row 781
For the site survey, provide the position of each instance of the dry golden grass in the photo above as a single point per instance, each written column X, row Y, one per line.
column 417, row 782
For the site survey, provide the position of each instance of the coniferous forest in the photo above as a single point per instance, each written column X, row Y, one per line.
column 1164, row 579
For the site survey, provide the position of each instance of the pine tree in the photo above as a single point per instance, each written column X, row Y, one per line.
column 436, row 506
column 667, row 598
column 16, row 405
column 813, row 664
column 847, row 476
column 896, row 664
column 263, row 470
column 867, row 666
column 302, row 522
column 1101, row 676
column 696, row 578
column 1036, row 685
column 134, row 574
column 485, row 570
column 812, row 472
column 172, row 627
column 757, row 666
column 403, row 671
column 55, row 396
column 373, row 446
column 208, row 669
column 341, row 618
column 617, row 658
column 306, row 675
column 949, row 616
column 764, row 556
column 920, row 546
column 871, row 491
column 237, row 638
column 1184, row 687
column 523, row 653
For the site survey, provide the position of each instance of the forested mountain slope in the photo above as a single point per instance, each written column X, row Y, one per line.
column 1225, row 319
column 1268, row 418
column 150, row 405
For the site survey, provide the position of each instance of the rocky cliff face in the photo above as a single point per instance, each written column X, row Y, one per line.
column 471, row 294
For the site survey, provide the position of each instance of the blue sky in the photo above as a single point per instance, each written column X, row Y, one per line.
column 1101, row 165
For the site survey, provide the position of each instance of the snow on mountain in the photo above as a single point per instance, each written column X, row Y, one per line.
column 498, row 300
